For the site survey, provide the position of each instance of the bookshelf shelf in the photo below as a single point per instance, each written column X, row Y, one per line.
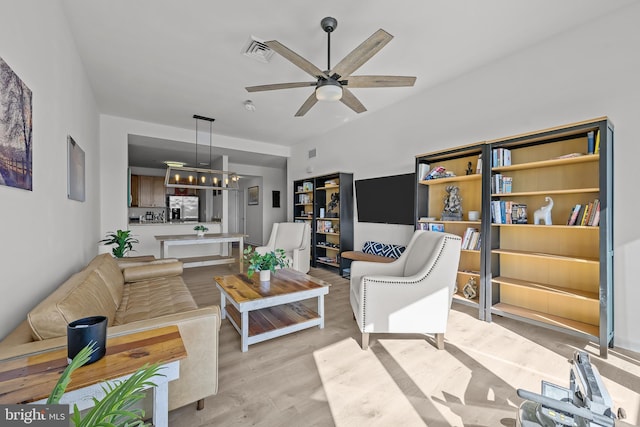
column 452, row 179
column 548, row 192
column 548, row 163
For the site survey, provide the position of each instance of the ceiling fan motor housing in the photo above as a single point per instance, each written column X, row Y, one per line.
column 329, row 24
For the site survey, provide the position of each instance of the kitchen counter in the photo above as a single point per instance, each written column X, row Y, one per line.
column 146, row 232
column 193, row 223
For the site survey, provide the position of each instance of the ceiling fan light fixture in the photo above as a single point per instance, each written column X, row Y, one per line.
column 328, row 90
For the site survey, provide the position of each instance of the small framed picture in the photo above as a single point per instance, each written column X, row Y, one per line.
column 436, row 226
column 253, row 195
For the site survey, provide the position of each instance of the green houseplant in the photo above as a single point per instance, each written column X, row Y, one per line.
column 264, row 263
column 122, row 240
column 201, row 229
column 114, row 409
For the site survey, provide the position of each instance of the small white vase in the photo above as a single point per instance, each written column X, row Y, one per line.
column 265, row 275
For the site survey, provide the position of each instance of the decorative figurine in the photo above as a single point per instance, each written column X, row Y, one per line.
column 470, row 289
column 469, row 170
column 544, row 213
column 335, row 199
column 452, row 204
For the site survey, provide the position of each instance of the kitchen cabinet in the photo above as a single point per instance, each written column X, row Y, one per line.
column 151, row 191
column 134, row 188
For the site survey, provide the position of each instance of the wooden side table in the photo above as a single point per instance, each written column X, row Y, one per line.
column 31, row 378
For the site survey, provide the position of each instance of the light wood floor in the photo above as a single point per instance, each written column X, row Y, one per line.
column 322, row 377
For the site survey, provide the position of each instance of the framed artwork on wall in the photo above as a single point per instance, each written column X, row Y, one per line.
column 253, row 195
column 15, row 130
column 75, row 171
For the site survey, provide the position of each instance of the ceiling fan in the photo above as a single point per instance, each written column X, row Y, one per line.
column 334, row 84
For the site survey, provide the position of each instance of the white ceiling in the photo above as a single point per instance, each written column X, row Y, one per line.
column 163, row 61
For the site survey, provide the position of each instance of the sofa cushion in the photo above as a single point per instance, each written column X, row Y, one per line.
column 154, row 298
column 84, row 294
column 383, row 249
column 109, row 270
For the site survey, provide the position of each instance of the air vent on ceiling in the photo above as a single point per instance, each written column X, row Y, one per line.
column 312, row 153
column 256, row 49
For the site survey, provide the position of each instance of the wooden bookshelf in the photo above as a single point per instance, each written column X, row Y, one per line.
column 322, row 218
column 550, row 275
column 555, row 275
column 430, row 195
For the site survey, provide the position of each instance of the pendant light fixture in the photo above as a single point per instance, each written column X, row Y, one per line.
column 180, row 176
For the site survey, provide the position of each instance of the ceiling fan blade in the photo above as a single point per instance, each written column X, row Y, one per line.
column 362, row 53
column 350, row 100
column 380, row 81
column 296, row 59
column 310, row 102
column 277, row 86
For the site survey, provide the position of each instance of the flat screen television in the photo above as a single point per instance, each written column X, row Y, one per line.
column 386, row 200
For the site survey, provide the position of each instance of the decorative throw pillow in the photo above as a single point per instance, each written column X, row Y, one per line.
column 382, row 249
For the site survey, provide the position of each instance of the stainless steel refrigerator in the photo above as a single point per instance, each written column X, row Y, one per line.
column 183, row 208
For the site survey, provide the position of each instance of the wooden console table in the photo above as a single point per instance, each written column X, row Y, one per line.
column 192, row 239
column 31, row 378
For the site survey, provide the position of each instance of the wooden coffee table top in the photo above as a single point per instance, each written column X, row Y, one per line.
column 286, row 281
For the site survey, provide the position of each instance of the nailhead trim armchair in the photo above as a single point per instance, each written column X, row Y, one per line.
column 410, row 295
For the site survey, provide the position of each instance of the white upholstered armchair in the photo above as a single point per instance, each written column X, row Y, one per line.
column 294, row 238
column 410, row 295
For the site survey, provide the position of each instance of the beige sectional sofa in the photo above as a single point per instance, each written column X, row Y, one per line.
column 134, row 295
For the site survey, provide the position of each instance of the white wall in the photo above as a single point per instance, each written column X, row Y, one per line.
column 273, row 179
column 47, row 237
column 587, row 72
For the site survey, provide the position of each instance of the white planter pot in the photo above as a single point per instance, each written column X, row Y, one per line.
column 265, row 275
column 200, row 233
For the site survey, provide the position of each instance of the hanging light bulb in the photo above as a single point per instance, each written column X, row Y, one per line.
column 190, row 179
column 215, row 180
column 203, row 179
column 177, row 177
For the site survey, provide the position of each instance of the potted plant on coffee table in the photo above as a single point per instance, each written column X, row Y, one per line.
column 265, row 263
column 122, row 240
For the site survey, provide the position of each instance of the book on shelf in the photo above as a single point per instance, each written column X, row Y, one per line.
column 585, row 215
column 423, row 170
column 467, row 237
column 596, row 217
column 591, row 142
column 479, row 164
column 592, row 212
column 475, row 237
column 501, row 184
column 573, row 215
column 501, row 157
column 596, row 150
column 471, row 239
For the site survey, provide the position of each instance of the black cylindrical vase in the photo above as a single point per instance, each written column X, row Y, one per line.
column 83, row 331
